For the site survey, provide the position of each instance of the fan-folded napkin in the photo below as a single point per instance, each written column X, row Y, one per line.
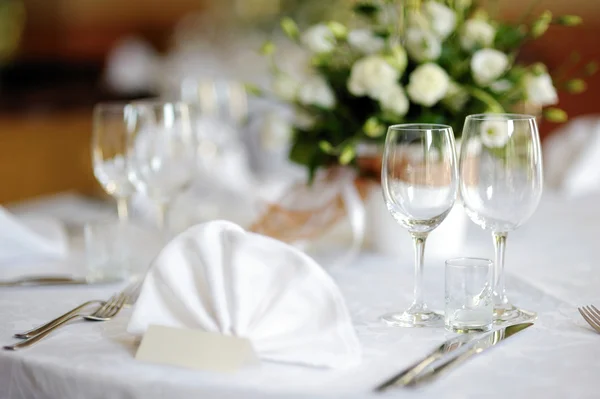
column 219, row 278
column 26, row 238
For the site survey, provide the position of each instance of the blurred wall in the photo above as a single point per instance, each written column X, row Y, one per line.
column 555, row 47
column 86, row 29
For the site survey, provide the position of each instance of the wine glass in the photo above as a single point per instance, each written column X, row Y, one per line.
column 419, row 178
column 162, row 152
column 501, row 185
column 109, row 153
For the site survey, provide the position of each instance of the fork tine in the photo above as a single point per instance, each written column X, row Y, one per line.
column 119, row 305
column 596, row 311
column 592, row 315
column 589, row 321
column 106, row 307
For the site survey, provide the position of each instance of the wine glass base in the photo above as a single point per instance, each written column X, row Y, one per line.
column 426, row 318
column 511, row 314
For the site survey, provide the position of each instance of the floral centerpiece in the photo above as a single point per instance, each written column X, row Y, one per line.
column 409, row 61
column 433, row 61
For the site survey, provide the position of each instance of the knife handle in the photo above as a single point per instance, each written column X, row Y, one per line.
column 58, row 320
column 406, row 376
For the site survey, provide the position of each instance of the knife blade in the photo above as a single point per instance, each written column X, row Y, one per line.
column 423, row 370
column 52, row 280
column 482, row 344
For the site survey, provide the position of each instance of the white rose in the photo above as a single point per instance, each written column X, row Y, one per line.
column 370, row 75
column 428, row 84
column 476, row 32
column 394, row 100
column 318, row 39
column 540, row 90
column 285, row 87
column 317, row 92
column 365, row 41
column 443, row 19
column 276, row 132
column 456, row 97
column 488, row 65
column 494, row 133
column 422, row 45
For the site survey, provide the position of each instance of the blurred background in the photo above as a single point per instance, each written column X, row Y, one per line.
column 59, row 57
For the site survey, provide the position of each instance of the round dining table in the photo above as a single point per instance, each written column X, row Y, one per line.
column 552, row 267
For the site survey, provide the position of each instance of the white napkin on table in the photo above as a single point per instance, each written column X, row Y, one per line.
column 26, row 238
column 219, row 278
column 572, row 157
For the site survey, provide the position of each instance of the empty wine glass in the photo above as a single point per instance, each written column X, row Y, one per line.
column 162, row 152
column 501, row 185
column 109, row 153
column 419, row 178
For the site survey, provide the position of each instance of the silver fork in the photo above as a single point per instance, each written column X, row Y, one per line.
column 106, row 312
column 592, row 315
column 51, row 323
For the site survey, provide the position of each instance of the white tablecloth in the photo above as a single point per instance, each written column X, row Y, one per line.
column 552, row 267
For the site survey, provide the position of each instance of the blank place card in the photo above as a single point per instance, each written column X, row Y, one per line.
column 195, row 349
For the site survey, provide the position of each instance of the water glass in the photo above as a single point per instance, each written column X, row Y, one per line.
column 469, row 302
column 419, row 180
column 107, row 251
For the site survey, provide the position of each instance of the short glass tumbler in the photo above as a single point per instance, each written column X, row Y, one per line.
column 107, row 251
column 469, row 303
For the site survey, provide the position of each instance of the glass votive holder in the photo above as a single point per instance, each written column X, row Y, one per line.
column 469, row 304
column 107, row 251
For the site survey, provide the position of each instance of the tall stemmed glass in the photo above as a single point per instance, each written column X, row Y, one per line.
column 109, row 153
column 419, row 178
column 162, row 152
column 501, row 185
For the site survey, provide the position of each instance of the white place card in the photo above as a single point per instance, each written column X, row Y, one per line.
column 195, row 349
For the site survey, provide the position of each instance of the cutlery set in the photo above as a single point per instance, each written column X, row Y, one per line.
column 103, row 311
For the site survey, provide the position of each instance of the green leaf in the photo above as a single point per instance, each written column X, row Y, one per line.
column 540, row 26
column 290, row 28
column 576, row 86
column 267, row 48
column 365, row 9
column 509, row 37
column 303, row 152
column 373, row 128
column 338, row 29
column 569, row 20
column 253, row 89
column 591, row 68
column 347, row 155
column 326, row 147
column 555, row 115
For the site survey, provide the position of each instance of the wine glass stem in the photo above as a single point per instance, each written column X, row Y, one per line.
column 500, row 298
column 419, row 243
column 123, row 209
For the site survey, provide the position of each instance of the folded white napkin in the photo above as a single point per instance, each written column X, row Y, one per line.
column 572, row 157
column 219, row 278
column 28, row 238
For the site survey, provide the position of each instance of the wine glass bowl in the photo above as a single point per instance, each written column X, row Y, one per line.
column 162, row 151
column 501, row 183
column 419, row 180
column 109, row 147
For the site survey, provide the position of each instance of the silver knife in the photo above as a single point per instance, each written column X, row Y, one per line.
column 422, row 372
column 52, row 280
